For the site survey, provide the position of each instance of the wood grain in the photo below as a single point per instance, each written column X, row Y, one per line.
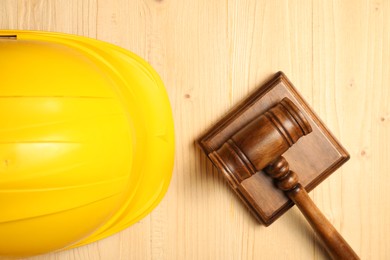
column 211, row 54
column 314, row 157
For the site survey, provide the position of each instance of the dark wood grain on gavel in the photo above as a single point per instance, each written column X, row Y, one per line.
column 259, row 146
column 287, row 181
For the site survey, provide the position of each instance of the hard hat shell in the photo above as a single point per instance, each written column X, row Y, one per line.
column 86, row 141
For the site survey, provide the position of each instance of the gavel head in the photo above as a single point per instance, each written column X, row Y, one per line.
column 262, row 141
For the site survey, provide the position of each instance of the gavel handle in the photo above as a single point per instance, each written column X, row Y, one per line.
column 287, row 181
column 334, row 243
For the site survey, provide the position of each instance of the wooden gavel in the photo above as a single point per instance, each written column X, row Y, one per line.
column 259, row 146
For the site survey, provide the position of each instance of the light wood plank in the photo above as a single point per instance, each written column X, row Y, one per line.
column 211, row 54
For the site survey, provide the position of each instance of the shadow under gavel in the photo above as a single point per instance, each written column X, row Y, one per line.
column 259, row 146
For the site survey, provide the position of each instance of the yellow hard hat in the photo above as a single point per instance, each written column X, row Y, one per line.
column 86, row 141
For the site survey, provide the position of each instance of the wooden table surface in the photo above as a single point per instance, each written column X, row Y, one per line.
column 210, row 55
